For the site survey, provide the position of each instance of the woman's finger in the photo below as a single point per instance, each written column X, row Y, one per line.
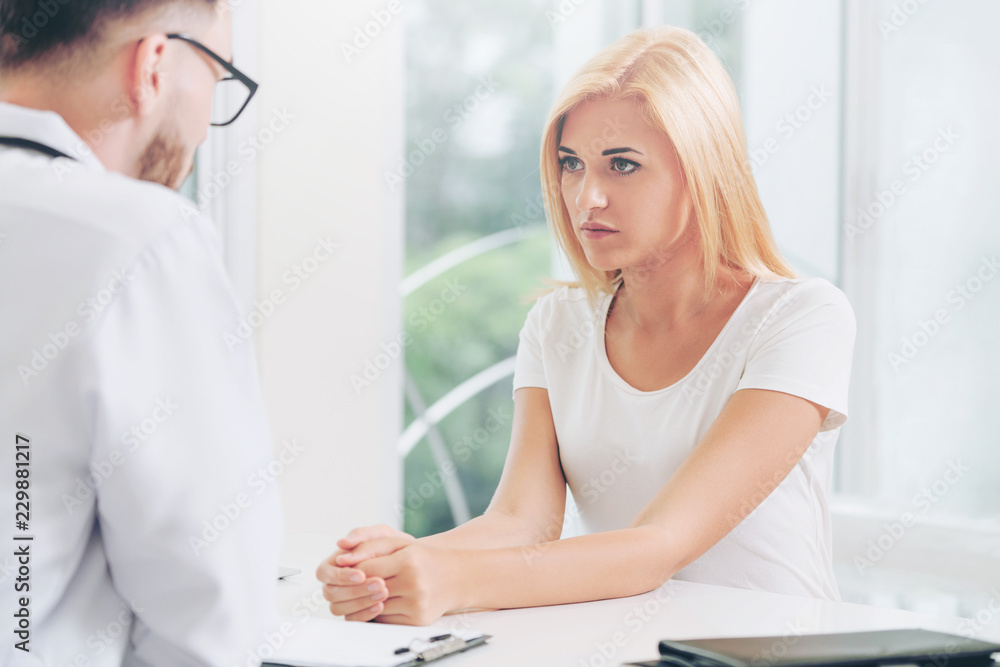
column 367, row 590
column 359, row 535
column 330, row 573
column 397, row 605
column 365, row 614
column 372, row 549
column 383, row 567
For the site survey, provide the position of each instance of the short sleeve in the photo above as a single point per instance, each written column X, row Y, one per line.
column 804, row 347
column 529, row 369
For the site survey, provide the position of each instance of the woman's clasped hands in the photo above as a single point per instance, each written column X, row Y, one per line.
column 379, row 573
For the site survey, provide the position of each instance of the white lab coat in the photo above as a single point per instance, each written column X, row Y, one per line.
column 154, row 541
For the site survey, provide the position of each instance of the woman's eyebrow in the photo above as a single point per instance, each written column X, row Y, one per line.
column 610, row 151
column 616, row 151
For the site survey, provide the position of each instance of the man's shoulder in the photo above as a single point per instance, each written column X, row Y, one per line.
column 68, row 193
column 128, row 211
column 78, row 225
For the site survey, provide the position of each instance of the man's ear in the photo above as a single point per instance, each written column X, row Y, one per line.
column 145, row 84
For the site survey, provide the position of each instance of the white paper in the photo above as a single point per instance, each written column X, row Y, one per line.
column 322, row 642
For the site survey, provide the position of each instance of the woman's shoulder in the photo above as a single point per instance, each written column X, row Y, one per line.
column 563, row 297
column 563, row 304
column 794, row 297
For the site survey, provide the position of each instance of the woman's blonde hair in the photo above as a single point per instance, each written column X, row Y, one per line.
column 682, row 89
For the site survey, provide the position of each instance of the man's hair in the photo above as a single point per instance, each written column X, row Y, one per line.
column 35, row 31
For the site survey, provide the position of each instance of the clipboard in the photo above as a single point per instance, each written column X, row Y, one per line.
column 321, row 642
column 437, row 647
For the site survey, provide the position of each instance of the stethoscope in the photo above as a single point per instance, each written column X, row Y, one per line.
column 18, row 142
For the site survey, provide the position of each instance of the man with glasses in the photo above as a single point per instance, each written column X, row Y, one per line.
column 132, row 530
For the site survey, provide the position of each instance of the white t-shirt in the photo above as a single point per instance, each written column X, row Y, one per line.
column 618, row 445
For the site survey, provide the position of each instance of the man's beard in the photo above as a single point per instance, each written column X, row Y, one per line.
column 163, row 162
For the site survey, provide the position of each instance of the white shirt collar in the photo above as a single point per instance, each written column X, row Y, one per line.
column 46, row 127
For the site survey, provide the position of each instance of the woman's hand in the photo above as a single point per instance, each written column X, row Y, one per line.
column 349, row 590
column 424, row 583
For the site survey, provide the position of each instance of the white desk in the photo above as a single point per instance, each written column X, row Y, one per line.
column 609, row 632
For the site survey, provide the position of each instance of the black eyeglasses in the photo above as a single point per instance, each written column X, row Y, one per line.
column 232, row 94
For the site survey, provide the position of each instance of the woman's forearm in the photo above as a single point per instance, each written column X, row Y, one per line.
column 591, row 567
column 496, row 530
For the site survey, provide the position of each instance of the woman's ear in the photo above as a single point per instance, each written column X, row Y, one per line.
column 145, row 82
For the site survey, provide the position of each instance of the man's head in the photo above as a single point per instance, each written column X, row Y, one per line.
column 141, row 100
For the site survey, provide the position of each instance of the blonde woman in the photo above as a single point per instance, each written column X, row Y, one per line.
column 688, row 390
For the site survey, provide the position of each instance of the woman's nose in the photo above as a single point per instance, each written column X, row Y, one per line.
column 591, row 195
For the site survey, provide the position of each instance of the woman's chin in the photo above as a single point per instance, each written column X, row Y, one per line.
column 601, row 262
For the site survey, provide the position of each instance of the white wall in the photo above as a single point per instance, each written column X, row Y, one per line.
column 792, row 82
column 322, row 176
column 938, row 138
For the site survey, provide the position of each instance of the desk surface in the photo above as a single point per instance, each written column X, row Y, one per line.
column 609, row 632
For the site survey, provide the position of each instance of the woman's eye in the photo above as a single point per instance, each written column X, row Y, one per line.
column 570, row 163
column 622, row 166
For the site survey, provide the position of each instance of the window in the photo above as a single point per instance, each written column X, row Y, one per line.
column 479, row 84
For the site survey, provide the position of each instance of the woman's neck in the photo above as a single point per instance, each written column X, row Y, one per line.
column 667, row 293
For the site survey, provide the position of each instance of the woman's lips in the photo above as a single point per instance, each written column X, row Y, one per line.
column 596, row 231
